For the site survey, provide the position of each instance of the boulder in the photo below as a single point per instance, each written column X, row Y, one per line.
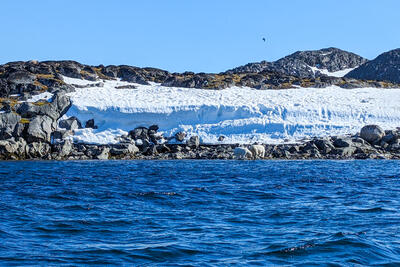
column 342, row 142
column 124, row 149
column 90, row 124
column 58, row 106
column 70, row 69
column 139, row 133
column 71, row 123
column 103, row 153
column 372, row 133
column 30, row 110
column 62, row 103
column 9, row 125
column 323, row 144
column 194, row 141
column 180, row 136
column 40, row 129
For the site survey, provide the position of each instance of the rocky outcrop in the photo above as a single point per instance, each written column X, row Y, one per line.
column 10, row 125
column 12, row 149
column 386, row 67
column 299, row 64
column 39, row 129
column 54, row 109
column 32, row 77
column 70, row 124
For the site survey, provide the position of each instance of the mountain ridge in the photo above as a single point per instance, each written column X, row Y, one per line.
column 385, row 67
column 301, row 63
column 30, row 77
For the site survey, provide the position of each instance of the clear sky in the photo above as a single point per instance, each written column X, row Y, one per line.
column 200, row 36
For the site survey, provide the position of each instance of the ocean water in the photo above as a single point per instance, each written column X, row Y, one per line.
column 208, row 213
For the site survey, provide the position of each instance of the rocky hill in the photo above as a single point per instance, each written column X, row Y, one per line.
column 386, row 67
column 306, row 63
column 32, row 77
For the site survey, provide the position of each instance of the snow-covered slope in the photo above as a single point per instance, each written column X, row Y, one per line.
column 242, row 115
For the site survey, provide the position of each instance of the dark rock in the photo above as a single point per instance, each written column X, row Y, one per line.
column 90, row 124
column 55, row 109
column 151, row 150
column 139, row 133
column 129, row 86
column 323, row 144
column 124, row 149
column 193, row 142
column 180, row 136
column 163, row 149
column 70, row 69
column 390, row 136
column 131, row 74
column 37, row 150
column 293, row 149
column 21, row 77
column 63, row 149
column 383, row 68
column 154, row 128
column 71, row 123
column 372, row 133
column 61, row 134
column 12, row 149
column 342, row 142
column 9, row 125
column 308, row 147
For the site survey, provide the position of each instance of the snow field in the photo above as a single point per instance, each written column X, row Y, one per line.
column 242, row 115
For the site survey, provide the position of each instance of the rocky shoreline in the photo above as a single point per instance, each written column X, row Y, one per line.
column 34, row 128
column 144, row 144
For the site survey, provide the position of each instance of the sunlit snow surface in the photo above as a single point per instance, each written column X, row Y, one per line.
column 42, row 96
column 340, row 73
column 242, row 115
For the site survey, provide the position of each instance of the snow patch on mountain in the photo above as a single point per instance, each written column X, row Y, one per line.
column 340, row 73
column 242, row 115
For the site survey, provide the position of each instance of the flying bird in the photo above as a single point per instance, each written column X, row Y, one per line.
column 264, row 39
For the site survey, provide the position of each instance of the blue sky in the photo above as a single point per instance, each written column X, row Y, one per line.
column 201, row 36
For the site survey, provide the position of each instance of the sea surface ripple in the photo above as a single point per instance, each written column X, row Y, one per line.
column 208, row 213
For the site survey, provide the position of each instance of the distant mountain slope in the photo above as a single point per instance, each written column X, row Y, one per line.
column 386, row 67
column 307, row 63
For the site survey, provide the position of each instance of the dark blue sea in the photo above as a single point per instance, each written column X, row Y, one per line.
column 207, row 213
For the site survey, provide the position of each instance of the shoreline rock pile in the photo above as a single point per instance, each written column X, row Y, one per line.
column 146, row 143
